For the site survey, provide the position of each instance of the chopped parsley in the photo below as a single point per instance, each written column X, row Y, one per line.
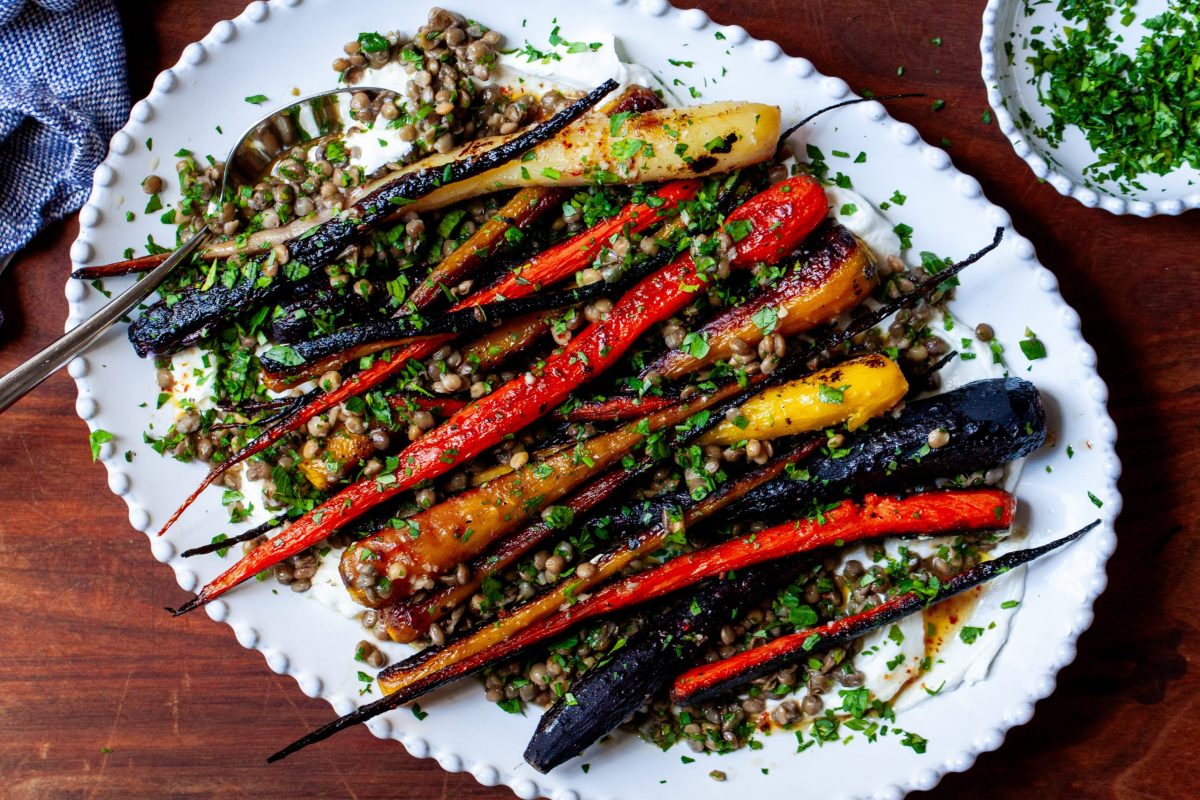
column 99, row 437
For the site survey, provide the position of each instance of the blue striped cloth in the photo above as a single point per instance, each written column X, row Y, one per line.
column 62, row 96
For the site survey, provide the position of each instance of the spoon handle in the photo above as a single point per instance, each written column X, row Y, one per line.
column 24, row 378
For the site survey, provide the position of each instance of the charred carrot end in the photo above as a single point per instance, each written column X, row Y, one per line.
column 929, row 513
column 708, row 681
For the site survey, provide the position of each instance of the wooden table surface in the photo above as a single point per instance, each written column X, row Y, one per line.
column 103, row 695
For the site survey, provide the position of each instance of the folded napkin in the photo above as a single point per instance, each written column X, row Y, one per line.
column 62, row 96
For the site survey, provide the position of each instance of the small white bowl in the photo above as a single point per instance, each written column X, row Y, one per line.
column 1015, row 103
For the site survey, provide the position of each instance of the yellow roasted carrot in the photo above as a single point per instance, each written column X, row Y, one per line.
column 850, row 393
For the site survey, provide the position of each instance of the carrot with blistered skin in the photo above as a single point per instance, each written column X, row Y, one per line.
column 833, row 273
column 550, row 266
column 708, row 681
column 927, row 514
column 519, row 402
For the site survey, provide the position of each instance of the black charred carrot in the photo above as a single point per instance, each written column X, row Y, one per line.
column 988, row 423
column 605, row 696
column 707, row 681
column 470, row 319
column 253, row 533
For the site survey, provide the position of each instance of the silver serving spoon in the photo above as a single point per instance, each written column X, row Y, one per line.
column 254, row 152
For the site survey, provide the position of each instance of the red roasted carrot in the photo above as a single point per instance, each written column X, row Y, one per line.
column 707, row 681
column 550, row 266
column 409, row 403
column 618, row 408
column 928, row 513
column 523, row 400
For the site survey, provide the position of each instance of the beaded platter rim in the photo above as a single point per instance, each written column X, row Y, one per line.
column 904, row 778
column 994, row 29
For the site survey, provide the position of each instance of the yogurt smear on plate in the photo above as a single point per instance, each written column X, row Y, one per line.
column 559, row 68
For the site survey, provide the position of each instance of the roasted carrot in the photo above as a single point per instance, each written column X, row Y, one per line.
column 524, row 207
column 852, row 392
column 833, row 273
column 618, row 408
column 546, row 268
column 929, row 513
column 408, row 403
column 410, row 619
column 127, row 267
column 707, row 681
column 519, row 402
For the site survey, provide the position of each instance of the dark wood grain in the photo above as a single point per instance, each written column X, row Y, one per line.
column 89, row 663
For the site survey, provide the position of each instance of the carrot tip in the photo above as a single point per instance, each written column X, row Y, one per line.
column 190, row 605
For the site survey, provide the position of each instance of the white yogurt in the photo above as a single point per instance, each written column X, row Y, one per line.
column 561, row 68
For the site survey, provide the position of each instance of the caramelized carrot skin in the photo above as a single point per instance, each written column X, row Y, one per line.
column 520, row 402
column 834, row 275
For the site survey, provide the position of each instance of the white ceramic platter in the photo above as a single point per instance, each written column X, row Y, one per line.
column 275, row 48
column 1008, row 28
